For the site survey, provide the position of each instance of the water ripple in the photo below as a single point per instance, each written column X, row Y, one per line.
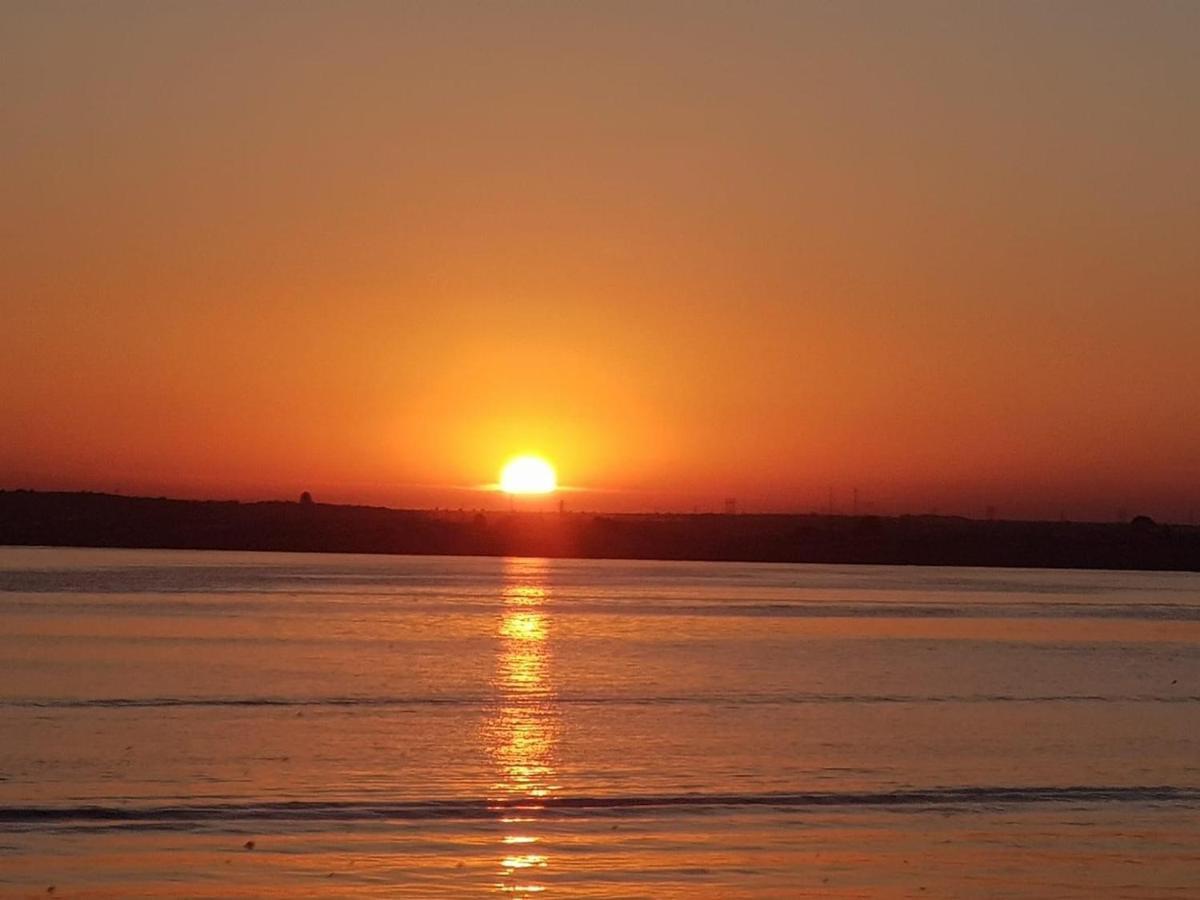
column 299, row 810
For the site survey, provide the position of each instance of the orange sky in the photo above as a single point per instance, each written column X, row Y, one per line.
column 941, row 252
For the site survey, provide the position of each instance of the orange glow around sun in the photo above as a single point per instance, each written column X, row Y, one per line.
column 528, row 475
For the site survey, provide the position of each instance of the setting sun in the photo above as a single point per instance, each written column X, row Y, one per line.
column 527, row 475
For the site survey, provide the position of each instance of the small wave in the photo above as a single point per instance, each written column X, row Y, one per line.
column 298, row 811
column 610, row 700
column 251, row 602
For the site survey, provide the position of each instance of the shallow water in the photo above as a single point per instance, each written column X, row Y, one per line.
column 407, row 726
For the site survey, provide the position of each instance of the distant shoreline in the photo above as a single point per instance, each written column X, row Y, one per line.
column 84, row 519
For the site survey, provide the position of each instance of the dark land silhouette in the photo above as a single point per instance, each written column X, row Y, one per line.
column 106, row 520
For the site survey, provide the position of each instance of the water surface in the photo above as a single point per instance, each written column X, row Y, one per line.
column 408, row 726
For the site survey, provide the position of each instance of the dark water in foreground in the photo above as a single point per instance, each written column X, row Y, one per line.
column 445, row 727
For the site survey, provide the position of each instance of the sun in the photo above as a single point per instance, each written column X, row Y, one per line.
column 527, row 475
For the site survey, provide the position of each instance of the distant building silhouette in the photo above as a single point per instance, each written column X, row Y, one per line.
column 306, row 499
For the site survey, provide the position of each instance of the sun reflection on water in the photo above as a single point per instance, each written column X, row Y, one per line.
column 522, row 732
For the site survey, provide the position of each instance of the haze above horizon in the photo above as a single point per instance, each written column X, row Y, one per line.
column 941, row 254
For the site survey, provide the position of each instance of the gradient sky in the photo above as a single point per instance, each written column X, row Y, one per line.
column 946, row 253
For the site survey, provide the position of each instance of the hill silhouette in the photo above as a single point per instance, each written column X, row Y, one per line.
column 108, row 520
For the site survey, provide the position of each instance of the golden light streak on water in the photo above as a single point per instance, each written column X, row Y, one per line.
column 521, row 736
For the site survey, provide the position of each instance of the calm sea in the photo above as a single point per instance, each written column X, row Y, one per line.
column 426, row 727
